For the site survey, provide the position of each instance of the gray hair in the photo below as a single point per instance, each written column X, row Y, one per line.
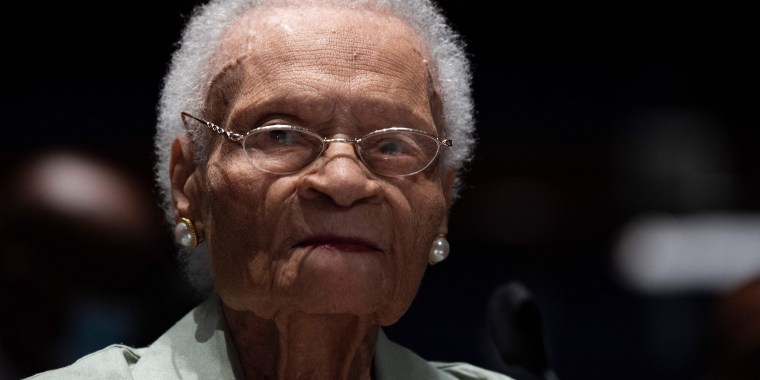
column 188, row 79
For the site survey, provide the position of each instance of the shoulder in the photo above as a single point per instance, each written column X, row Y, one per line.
column 112, row 362
column 393, row 362
column 197, row 346
column 465, row 371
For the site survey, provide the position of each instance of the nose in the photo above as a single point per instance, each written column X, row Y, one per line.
column 340, row 175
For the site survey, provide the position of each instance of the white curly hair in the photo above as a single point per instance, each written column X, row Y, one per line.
column 188, row 79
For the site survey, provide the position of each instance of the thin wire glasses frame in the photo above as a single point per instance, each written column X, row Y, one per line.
column 286, row 149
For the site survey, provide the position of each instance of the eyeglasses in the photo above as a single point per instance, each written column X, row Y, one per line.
column 286, row 149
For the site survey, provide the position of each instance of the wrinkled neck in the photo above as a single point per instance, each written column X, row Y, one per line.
column 303, row 346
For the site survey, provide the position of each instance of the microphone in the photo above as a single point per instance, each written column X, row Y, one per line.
column 516, row 326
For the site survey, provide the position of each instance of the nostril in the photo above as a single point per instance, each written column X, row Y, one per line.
column 341, row 178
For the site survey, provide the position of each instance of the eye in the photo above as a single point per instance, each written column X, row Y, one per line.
column 283, row 137
column 281, row 140
column 391, row 147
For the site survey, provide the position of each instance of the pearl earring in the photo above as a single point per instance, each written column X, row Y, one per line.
column 185, row 233
column 439, row 251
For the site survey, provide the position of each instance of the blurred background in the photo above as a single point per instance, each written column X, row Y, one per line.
column 616, row 180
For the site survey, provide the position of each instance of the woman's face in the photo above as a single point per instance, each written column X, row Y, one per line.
column 334, row 237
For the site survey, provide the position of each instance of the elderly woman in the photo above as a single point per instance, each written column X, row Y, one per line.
column 308, row 153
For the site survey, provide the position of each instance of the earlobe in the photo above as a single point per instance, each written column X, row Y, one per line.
column 439, row 251
column 183, row 178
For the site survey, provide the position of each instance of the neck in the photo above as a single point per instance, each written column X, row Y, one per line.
column 303, row 346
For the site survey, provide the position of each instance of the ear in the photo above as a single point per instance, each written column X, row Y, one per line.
column 184, row 180
column 447, row 182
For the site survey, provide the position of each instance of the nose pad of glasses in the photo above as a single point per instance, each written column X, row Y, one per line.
column 343, row 149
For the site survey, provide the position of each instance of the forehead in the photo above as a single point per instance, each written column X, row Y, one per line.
column 297, row 28
column 323, row 51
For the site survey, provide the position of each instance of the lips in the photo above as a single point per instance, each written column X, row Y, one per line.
column 338, row 244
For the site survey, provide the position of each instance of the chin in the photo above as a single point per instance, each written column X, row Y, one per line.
column 358, row 295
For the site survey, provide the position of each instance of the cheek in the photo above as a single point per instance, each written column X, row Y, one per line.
column 421, row 213
column 417, row 218
column 241, row 205
column 234, row 198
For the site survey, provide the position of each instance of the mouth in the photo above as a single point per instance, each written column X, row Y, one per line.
column 338, row 244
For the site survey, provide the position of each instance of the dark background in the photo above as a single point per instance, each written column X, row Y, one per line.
column 570, row 102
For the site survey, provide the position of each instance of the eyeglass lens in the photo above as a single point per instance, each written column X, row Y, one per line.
column 282, row 150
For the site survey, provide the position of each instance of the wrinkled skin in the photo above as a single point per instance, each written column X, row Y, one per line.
column 327, row 254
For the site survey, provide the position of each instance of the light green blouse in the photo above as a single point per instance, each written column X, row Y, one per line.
column 199, row 346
